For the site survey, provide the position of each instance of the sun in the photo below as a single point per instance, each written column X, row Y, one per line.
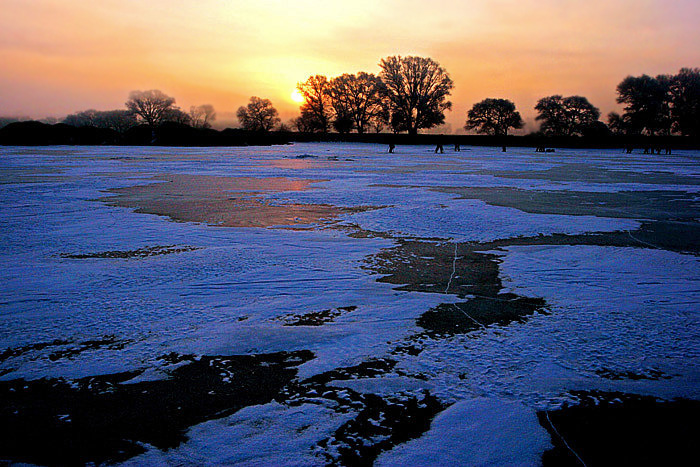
column 297, row 96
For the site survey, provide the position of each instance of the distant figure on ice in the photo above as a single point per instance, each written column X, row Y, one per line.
column 503, row 149
column 438, row 147
column 392, row 146
column 457, row 149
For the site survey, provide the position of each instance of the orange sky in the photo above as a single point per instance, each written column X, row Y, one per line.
column 62, row 56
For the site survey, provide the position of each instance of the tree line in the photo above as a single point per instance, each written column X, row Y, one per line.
column 152, row 108
column 411, row 93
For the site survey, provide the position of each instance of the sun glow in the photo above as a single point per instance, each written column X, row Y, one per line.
column 296, row 96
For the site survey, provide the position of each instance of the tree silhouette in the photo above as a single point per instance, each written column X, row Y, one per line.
column 565, row 116
column 302, row 124
column 617, row 124
column 82, row 118
column 316, row 110
column 493, row 116
column 359, row 98
column 176, row 115
column 258, row 115
column 117, row 120
column 647, row 103
column 685, row 101
column 343, row 122
column 417, row 88
column 201, row 116
column 151, row 106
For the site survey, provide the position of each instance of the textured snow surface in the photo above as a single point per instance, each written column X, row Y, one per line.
column 610, row 309
column 476, row 432
column 269, row 434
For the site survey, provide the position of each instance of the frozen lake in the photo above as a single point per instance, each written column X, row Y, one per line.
column 332, row 303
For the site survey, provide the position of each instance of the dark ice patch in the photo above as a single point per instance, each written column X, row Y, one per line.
column 101, row 419
column 381, row 424
column 479, row 312
column 109, row 342
column 371, row 368
column 128, row 254
column 622, row 429
column 463, row 270
column 62, row 348
column 655, row 205
column 590, row 173
column 650, row 374
column 17, row 351
column 317, row 318
column 425, row 266
column 378, row 423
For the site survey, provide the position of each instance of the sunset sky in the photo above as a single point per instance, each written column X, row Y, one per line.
column 62, row 56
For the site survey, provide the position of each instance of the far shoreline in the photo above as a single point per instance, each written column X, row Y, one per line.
column 34, row 133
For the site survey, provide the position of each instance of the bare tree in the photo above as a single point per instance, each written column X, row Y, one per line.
column 201, row 116
column 117, row 120
column 493, row 116
column 83, row 118
column 566, row 116
column 176, row 115
column 258, row 115
column 316, row 109
column 617, row 124
column 359, row 99
column 303, row 124
column 417, row 88
column 685, row 101
column 151, row 106
column 647, row 103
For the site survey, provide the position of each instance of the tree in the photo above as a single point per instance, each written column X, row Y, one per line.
column 151, row 106
column 258, row 115
column 343, row 122
column 383, row 117
column 566, row 116
column 685, row 101
column 417, row 88
column 201, row 116
column 647, row 103
column 493, row 116
column 303, row 124
column 117, row 120
column 83, row 118
column 316, row 109
column 176, row 115
column 358, row 98
column 617, row 124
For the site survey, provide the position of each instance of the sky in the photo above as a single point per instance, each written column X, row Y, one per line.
column 62, row 56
